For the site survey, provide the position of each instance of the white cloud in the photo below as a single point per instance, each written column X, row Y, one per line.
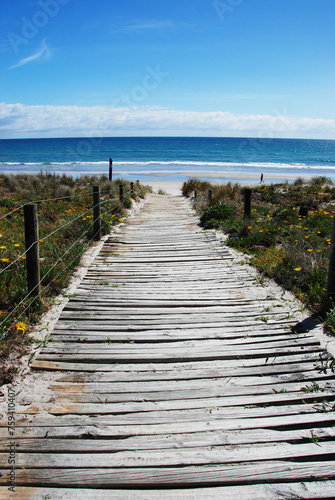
column 43, row 54
column 143, row 26
column 19, row 120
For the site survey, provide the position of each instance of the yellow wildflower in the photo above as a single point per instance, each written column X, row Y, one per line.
column 21, row 326
column 297, row 269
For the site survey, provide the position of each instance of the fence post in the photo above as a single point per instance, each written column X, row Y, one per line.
column 303, row 211
column 131, row 187
column 195, row 194
column 331, row 269
column 32, row 248
column 210, row 196
column 247, row 203
column 96, row 213
column 110, row 169
column 121, row 192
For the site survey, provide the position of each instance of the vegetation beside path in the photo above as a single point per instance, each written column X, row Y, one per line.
column 293, row 249
column 65, row 231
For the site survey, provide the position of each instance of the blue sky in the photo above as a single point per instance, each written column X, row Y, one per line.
column 245, row 68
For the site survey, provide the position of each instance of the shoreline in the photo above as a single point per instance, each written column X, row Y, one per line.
column 173, row 187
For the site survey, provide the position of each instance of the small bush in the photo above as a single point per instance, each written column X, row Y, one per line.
column 127, row 203
column 194, row 185
column 319, row 181
column 216, row 213
column 298, row 182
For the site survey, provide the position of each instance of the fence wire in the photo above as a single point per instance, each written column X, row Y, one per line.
column 101, row 203
column 56, row 231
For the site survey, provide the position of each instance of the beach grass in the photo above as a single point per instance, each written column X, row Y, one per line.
column 63, row 202
column 291, row 248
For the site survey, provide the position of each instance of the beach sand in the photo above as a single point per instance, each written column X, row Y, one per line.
column 243, row 178
column 168, row 187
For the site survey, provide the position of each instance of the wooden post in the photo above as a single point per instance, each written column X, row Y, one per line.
column 210, row 196
column 32, row 248
column 195, row 194
column 331, row 268
column 96, row 214
column 121, row 192
column 110, row 169
column 303, row 211
column 131, row 187
column 247, row 203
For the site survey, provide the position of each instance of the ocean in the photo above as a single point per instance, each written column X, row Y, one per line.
column 173, row 158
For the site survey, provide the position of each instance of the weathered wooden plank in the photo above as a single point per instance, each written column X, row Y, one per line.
column 177, row 334
column 167, row 319
column 107, row 302
column 153, row 366
column 90, row 337
column 289, row 403
column 205, row 344
column 100, row 426
column 204, row 475
column 302, row 490
column 67, row 324
column 232, row 387
column 174, row 441
column 255, row 376
column 180, row 410
column 171, row 457
column 132, row 355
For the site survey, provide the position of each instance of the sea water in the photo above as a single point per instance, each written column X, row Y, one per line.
column 172, row 158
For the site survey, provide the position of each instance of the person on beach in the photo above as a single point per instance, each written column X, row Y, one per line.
column 262, row 178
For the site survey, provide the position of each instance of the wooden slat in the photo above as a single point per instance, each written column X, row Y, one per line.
column 307, row 490
column 164, row 477
column 165, row 458
column 173, row 441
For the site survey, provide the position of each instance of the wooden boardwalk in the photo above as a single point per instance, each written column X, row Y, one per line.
column 174, row 374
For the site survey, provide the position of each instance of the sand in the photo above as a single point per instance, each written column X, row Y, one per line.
column 245, row 179
column 168, row 187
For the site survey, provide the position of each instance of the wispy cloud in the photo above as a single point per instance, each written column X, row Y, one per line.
column 42, row 54
column 19, row 120
column 150, row 25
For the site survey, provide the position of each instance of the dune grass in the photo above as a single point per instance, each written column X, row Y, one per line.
column 61, row 201
column 292, row 249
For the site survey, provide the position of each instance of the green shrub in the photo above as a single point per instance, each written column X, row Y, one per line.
column 127, row 203
column 215, row 214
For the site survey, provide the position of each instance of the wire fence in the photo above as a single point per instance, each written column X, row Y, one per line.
column 65, row 261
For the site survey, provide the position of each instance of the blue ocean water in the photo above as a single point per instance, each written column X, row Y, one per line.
column 172, row 158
